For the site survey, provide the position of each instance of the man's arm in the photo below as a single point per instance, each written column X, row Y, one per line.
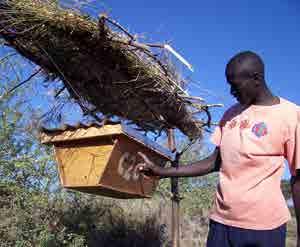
column 208, row 165
column 295, row 186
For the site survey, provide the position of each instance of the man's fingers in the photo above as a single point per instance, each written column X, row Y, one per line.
column 140, row 167
column 145, row 158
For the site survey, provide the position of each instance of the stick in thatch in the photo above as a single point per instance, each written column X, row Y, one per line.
column 102, row 69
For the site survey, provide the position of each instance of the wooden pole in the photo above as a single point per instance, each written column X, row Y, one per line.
column 175, row 196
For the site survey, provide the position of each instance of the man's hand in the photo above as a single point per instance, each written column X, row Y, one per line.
column 199, row 168
column 148, row 168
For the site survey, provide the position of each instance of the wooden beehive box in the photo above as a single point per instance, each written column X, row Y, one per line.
column 101, row 159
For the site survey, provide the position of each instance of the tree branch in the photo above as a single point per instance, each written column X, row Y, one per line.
column 103, row 16
column 23, row 82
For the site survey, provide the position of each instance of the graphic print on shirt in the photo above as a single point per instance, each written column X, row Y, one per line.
column 245, row 124
column 232, row 124
column 260, row 129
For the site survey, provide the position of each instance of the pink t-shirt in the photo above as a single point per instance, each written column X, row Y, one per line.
column 254, row 143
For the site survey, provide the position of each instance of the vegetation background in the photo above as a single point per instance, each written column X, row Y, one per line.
column 36, row 211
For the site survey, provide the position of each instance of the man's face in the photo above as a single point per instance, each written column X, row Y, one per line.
column 243, row 89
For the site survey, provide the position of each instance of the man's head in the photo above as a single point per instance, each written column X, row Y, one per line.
column 245, row 74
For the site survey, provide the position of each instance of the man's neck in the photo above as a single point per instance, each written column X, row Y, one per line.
column 265, row 97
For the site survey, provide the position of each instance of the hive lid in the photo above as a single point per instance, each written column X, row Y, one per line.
column 80, row 131
column 144, row 140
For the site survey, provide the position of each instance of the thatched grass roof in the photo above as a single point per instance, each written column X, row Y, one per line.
column 106, row 71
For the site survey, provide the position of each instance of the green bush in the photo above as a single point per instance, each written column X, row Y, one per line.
column 33, row 219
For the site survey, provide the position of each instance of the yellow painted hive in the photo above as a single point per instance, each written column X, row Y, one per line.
column 101, row 159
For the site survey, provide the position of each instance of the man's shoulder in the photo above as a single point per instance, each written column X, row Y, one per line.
column 231, row 112
column 289, row 105
column 290, row 110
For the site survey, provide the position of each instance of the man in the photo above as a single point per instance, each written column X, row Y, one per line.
column 253, row 139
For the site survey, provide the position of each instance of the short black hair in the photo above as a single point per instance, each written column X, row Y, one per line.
column 246, row 64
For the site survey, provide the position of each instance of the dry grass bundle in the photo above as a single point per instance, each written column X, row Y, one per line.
column 106, row 71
